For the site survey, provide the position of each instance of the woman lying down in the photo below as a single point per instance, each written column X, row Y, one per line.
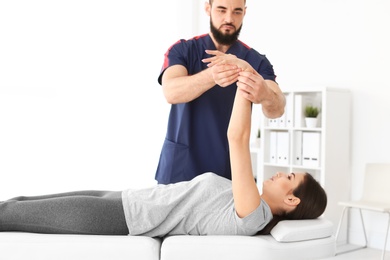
column 207, row 205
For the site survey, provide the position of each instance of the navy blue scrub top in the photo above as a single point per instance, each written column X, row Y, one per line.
column 196, row 138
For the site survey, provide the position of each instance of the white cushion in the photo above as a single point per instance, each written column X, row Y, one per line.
column 301, row 230
column 245, row 247
column 21, row 246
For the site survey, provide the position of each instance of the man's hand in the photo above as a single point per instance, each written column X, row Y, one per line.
column 227, row 69
column 224, row 67
column 253, row 86
column 225, row 75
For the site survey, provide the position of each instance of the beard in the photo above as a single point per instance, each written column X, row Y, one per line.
column 222, row 38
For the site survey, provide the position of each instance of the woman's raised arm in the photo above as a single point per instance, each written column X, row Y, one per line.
column 245, row 192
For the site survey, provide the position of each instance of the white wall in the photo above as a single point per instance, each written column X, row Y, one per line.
column 80, row 106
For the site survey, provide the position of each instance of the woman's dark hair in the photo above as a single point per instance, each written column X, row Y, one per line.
column 312, row 205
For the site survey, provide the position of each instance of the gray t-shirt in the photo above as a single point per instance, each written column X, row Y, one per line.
column 202, row 206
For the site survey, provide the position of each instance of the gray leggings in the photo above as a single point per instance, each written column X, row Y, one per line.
column 80, row 212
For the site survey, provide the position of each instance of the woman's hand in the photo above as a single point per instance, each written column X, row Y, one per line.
column 221, row 58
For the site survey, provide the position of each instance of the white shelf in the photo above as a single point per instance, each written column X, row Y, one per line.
column 332, row 169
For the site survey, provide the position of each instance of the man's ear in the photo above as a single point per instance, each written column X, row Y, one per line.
column 291, row 200
column 207, row 8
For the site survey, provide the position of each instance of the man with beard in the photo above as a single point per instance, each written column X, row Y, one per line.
column 201, row 92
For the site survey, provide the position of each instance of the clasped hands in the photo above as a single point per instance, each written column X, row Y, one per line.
column 227, row 69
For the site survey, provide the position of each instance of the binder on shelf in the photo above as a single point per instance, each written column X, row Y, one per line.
column 281, row 121
column 297, row 156
column 289, row 111
column 298, row 111
column 273, row 147
column 272, row 122
column 311, row 146
column 282, row 149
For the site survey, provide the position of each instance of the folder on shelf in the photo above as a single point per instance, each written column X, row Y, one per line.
column 273, row 146
column 282, row 121
column 272, row 122
column 282, row 149
column 298, row 118
column 297, row 156
column 288, row 111
column 311, row 146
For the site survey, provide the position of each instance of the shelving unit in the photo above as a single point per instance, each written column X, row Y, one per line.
column 287, row 145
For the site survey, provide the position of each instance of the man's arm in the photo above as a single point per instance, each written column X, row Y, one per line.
column 179, row 87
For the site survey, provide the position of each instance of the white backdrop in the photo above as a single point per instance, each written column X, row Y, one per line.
column 80, row 106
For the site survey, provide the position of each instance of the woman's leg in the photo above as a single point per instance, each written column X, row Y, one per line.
column 95, row 193
column 83, row 212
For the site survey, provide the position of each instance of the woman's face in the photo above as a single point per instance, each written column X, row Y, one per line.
column 281, row 184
